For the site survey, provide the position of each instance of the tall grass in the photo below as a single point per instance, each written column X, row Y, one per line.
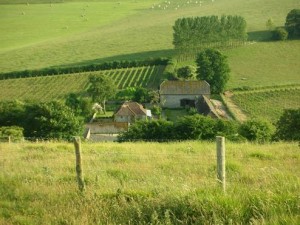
column 149, row 183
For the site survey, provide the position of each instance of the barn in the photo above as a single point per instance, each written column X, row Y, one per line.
column 178, row 94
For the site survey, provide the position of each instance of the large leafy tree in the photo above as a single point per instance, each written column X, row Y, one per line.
column 288, row 125
column 51, row 120
column 292, row 23
column 41, row 120
column 212, row 66
column 101, row 88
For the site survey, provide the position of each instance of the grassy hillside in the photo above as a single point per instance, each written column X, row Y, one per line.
column 265, row 64
column 143, row 183
column 131, row 29
column 49, row 88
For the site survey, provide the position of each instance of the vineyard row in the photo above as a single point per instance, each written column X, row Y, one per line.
column 47, row 88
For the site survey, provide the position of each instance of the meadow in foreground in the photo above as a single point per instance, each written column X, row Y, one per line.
column 149, row 183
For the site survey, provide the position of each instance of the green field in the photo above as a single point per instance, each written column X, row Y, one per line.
column 267, row 104
column 265, row 64
column 57, row 87
column 78, row 32
column 149, row 183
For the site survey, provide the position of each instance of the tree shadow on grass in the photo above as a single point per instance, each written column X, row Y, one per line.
column 260, row 36
column 167, row 53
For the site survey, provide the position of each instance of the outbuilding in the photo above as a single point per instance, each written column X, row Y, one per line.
column 178, row 94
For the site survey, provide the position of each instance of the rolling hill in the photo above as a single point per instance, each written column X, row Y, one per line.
column 37, row 34
column 77, row 32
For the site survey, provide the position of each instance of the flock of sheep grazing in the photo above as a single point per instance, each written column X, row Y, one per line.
column 178, row 4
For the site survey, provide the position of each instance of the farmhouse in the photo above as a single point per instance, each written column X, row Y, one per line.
column 130, row 112
column 177, row 94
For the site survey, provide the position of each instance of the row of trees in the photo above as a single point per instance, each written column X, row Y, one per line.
column 83, row 68
column 198, row 127
column 196, row 32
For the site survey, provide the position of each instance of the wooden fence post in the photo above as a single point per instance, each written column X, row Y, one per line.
column 77, row 145
column 221, row 161
column 9, row 139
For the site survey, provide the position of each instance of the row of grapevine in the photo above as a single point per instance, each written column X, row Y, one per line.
column 267, row 104
column 46, row 88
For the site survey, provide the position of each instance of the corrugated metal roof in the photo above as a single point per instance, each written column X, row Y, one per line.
column 185, row 88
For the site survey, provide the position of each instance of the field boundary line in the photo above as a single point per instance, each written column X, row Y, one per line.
column 267, row 89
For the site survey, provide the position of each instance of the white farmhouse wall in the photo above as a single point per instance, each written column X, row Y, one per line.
column 173, row 101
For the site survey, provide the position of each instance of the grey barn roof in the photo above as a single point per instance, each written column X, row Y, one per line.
column 131, row 109
column 184, row 88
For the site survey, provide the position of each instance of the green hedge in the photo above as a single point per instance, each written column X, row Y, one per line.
column 83, row 68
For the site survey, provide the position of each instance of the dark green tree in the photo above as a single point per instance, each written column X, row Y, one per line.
column 288, row 125
column 292, row 23
column 257, row 130
column 186, row 72
column 141, row 95
column 51, row 120
column 82, row 106
column 280, row 34
column 195, row 127
column 156, row 130
column 12, row 113
column 212, row 67
column 126, row 94
column 101, row 88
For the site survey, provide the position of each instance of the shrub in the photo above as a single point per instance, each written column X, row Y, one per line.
column 186, row 72
column 257, row 130
column 280, row 34
column 288, row 125
column 195, row 127
column 156, row 130
column 14, row 131
column 228, row 129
